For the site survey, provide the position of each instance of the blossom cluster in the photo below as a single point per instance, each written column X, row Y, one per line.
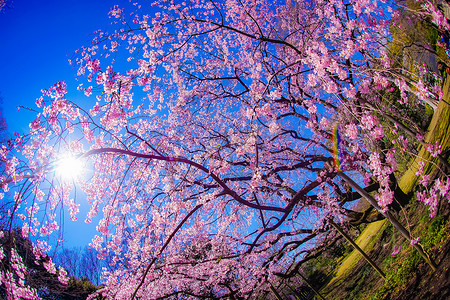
column 206, row 153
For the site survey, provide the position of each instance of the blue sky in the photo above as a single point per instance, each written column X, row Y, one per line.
column 37, row 39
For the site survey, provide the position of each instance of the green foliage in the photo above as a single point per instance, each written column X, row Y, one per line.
column 438, row 232
column 339, row 251
column 82, row 288
column 359, row 284
column 317, row 278
column 413, row 44
column 410, row 39
column 318, row 268
column 411, row 35
column 37, row 277
column 404, row 265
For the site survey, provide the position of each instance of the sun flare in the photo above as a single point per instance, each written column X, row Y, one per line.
column 69, row 167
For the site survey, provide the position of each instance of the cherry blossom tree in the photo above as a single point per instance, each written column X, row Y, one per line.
column 26, row 275
column 204, row 150
column 5, row 205
column 2, row 4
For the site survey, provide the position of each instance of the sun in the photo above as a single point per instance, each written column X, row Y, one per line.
column 68, row 167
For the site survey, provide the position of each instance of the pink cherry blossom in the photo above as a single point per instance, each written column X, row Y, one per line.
column 209, row 142
column 50, row 267
column 435, row 149
column 396, row 250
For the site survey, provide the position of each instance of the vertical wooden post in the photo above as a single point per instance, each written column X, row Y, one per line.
column 297, row 295
column 311, row 286
column 390, row 218
column 368, row 259
column 274, row 291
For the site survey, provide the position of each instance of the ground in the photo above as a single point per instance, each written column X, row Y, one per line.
column 428, row 285
column 408, row 276
column 356, row 279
